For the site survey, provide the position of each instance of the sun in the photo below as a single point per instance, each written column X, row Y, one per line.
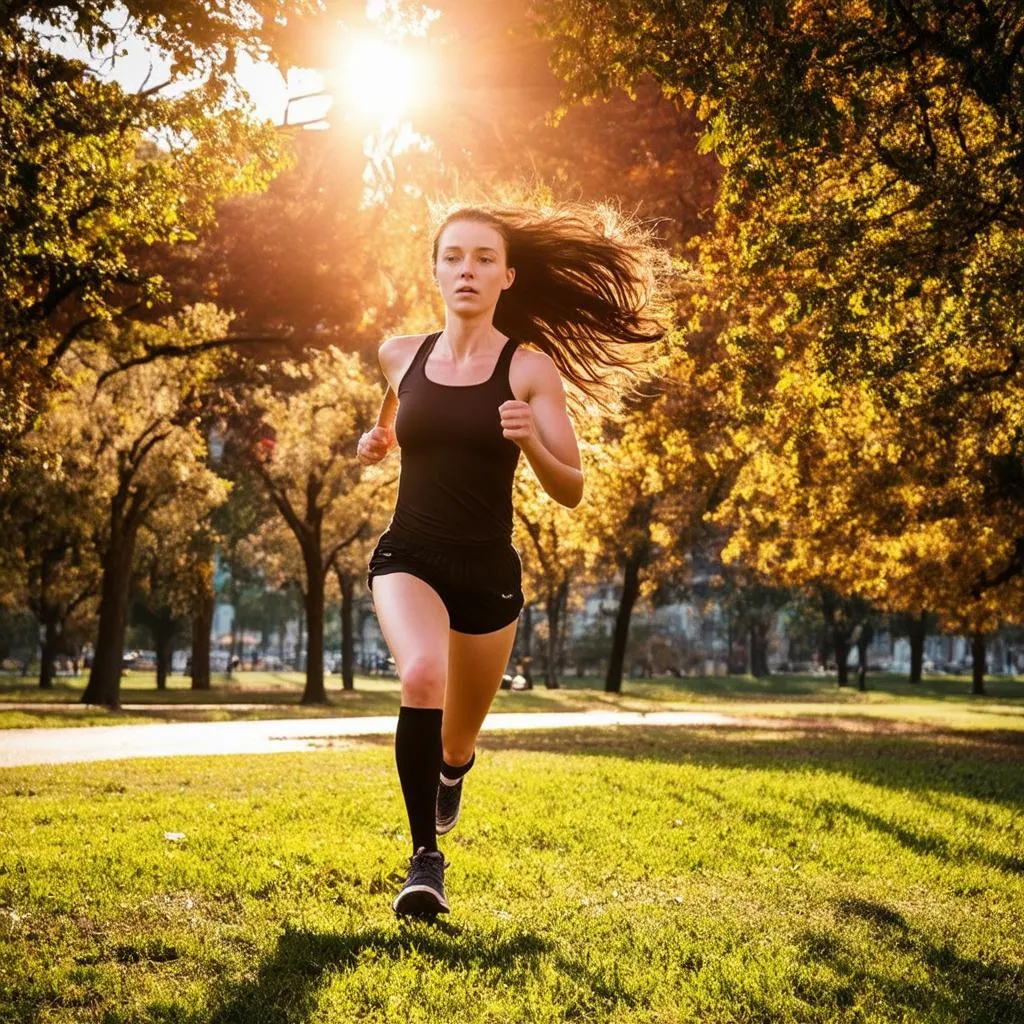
column 380, row 80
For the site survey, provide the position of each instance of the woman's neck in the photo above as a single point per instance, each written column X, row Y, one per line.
column 466, row 338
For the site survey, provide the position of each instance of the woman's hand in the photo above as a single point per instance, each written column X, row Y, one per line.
column 375, row 444
column 517, row 423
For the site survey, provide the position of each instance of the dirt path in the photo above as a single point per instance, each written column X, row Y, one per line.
column 114, row 742
column 270, row 736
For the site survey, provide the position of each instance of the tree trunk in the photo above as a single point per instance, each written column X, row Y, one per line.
column 526, row 634
column 620, row 636
column 553, row 607
column 163, row 641
column 978, row 663
column 842, row 651
column 563, row 628
column 917, row 634
column 48, row 652
column 759, row 649
column 314, row 692
column 862, row 663
column 104, row 686
column 824, row 638
column 202, row 623
column 233, row 594
column 347, row 587
column 300, row 635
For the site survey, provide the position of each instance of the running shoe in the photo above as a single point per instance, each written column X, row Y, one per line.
column 423, row 892
column 449, row 806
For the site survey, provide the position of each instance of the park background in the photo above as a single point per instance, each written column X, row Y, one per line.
column 211, row 215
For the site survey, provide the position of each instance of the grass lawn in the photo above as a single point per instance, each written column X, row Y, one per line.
column 634, row 875
column 938, row 700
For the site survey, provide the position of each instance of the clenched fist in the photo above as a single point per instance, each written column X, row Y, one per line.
column 375, row 444
column 517, row 422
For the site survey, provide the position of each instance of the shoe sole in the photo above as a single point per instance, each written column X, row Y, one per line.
column 442, row 828
column 419, row 901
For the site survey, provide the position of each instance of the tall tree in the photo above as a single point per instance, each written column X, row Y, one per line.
column 864, row 275
column 87, row 194
column 301, row 444
column 167, row 565
column 553, row 559
column 135, row 439
column 48, row 516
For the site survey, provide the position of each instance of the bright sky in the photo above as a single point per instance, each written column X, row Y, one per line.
column 376, row 80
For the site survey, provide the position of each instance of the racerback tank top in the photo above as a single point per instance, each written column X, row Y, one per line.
column 457, row 469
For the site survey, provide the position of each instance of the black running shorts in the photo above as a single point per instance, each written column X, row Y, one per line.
column 480, row 586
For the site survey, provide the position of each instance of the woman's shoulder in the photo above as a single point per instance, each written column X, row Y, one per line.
column 400, row 343
column 528, row 355
column 532, row 370
column 396, row 353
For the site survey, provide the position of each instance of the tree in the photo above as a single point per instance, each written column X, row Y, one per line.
column 654, row 479
column 301, row 444
column 135, row 439
column 553, row 561
column 47, row 519
column 863, row 275
column 87, row 194
column 168, row 563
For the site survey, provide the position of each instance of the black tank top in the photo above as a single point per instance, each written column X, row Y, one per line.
column 457, row 468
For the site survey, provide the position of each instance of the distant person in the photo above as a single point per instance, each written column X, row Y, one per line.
column 530, row 299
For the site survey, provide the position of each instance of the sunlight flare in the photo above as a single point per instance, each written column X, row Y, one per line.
column 380, row 80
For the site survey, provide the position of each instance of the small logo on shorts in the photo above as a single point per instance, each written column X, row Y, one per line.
column 385, row 554
column 508, row 597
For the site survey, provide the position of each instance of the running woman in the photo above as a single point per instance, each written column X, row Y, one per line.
column 530, row 299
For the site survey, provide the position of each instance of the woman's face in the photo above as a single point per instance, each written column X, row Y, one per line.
column 471, row 267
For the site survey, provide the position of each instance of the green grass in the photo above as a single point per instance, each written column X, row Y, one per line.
column 634, row 875
column 944, row 699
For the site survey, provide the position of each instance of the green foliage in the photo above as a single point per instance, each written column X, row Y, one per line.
column 863, row 279
column 93, row 177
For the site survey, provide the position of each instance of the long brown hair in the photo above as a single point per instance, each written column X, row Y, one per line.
column 587, row 289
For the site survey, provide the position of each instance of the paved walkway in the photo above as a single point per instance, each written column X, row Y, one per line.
column 268, row 736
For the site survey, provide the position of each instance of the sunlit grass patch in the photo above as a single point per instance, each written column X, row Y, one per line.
column 626, row 875
column 940, row 702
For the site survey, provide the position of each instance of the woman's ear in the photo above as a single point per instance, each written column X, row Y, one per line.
column 510, row 276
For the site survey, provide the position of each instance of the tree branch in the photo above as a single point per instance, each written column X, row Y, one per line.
column 1015, row 567
column 284, row 506
column 178, row 351
column 342, row 544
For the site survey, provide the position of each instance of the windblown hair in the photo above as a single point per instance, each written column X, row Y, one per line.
column 587, row 289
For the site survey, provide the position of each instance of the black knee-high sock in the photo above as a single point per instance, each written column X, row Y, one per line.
column 418, row 756
column 450, row 773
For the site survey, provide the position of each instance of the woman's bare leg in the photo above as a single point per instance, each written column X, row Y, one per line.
column 415, row 626
column 476, row 663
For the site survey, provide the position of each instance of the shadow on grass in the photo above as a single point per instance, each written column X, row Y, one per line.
column 926, row 843
column 955, row 987
column 286, row 986
column 975, row 764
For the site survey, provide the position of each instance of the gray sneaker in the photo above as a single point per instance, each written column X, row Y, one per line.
column 423, row 892
column 449, row 806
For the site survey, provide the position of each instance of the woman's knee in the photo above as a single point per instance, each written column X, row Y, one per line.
column 458, row 749
column 423, row 680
